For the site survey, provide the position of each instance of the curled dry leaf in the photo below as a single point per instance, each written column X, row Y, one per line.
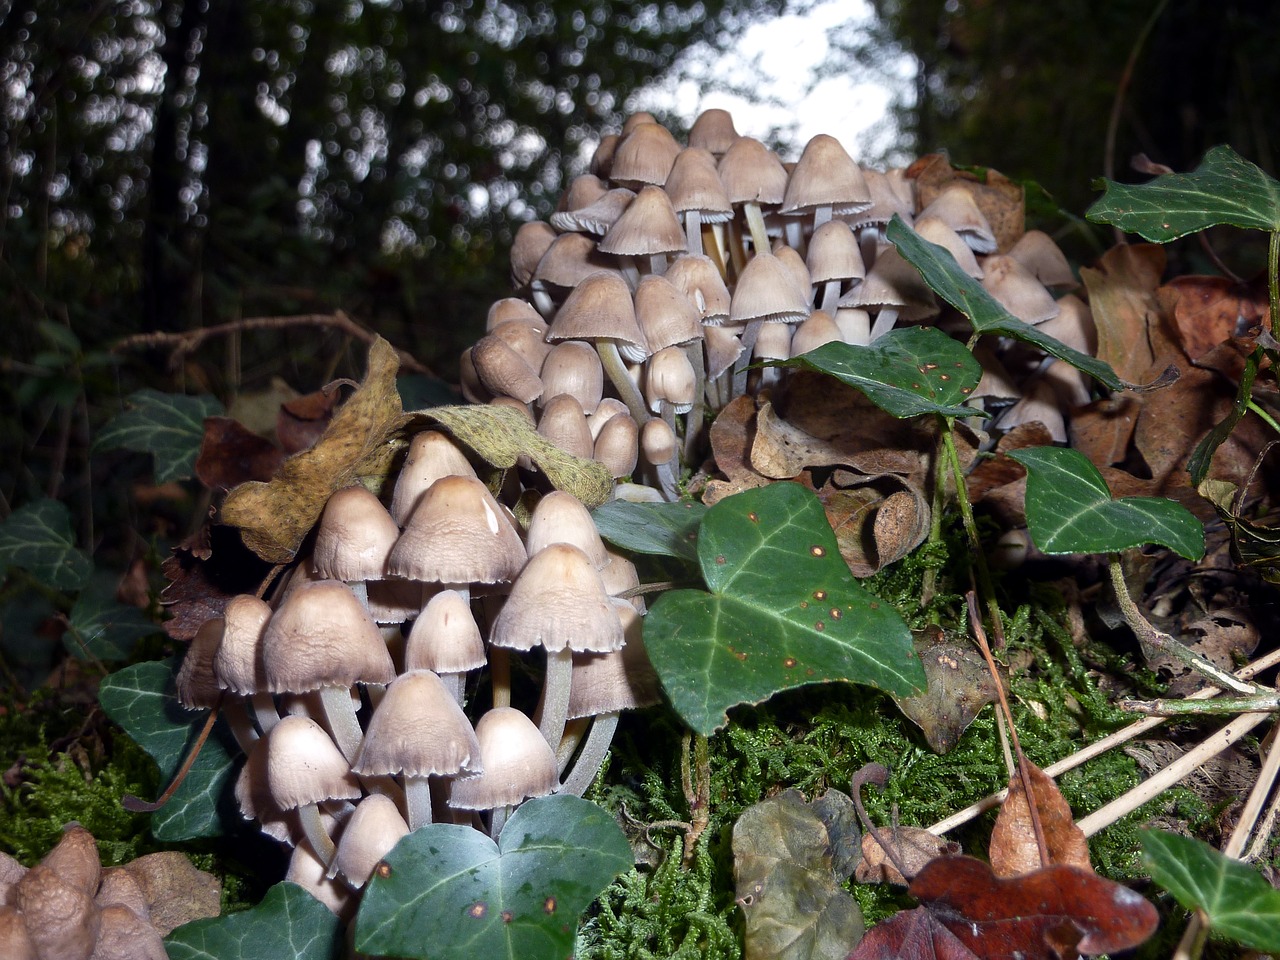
column 732, row 435
column 781, row 451
column 1126, row 312
column 1014, row 851
column 273, row 518
column 960, row 685
column 913, row 847
column 1208, row 311
column 788, row 884
column 302, row 421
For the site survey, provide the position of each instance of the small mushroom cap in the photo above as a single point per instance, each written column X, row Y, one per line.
column 621, row 680
column 826, row 175
column 503, row 371
column 696, row 276
column 573, row 367
column 617, row 445
column 894, row 283
column 713, row 130
column 694, row 184
column 645, row 155
column 123, row 935
column 445, row 637
column 956, row 206
column 820, row 328
column 419, row 730
column 308, row 872
column 518, row 763
column 665, row 314
column 558, row 602
column 670, row 377
column 564, row 424
column 560, row 517
column 530, row 243
column 767, row 290
column 322, row 637
column 196, row 681
column 752, row 173
column 368, row 836
column 1017, row 289
column 833, row 254
column 598, row 216
column 305, row 766
column 355, row 535
column 458, row 534
column 431, row 455
column 238, row 660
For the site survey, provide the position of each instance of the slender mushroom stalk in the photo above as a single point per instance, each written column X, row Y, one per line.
column 305, row 769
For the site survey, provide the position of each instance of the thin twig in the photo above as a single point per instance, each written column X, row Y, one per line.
column 1099, row 747
column 183, row 343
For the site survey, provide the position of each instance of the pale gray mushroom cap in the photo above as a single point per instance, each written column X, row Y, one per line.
column 304, row 766
column 445, row 638
column 322, row 637
column 621, row 680
column 431, row 455
column 197, row 685
column 558, row 602
column 560, row 517
column 368, row 835
column 517, row 763
column 458, row 534
column 238, row 660
column 355, row 535
column 419, row 730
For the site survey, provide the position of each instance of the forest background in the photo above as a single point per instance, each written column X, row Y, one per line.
column 167, row 166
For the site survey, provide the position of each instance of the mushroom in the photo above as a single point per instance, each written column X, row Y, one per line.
column 238, row 661
column 419, row 732
column 322, row 639
column 304, row 770
column 431, row 455
column 559, row 603
column 367, row 836
column 517, row 763
column 354, row 537
column 825, row 181
column 445, row 639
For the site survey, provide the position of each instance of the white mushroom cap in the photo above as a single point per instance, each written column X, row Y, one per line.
column 419, row 730
column 238, row 660
column 558, row 602
column 517, row 763
column 368, row 836
column 305, row 767
column 431, row 455
column 355, row 535
column 445, row 638
column 560, row 517
column 322, row 637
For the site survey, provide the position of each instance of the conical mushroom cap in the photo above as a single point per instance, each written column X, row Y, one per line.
column 322, row 637
column 558, row 602
column 767, row 290
column 560, row 517
column 304, row 765
column 517, row 763
column 196, row 682
column 431, row 455
column 368, row 835
column 826, row 176
column 752, row 173
column 238, row 660
column 648, row 226
column 445, row 637
column 355, row 535
column 458, row 534
column 419, row 730
column 599, row 308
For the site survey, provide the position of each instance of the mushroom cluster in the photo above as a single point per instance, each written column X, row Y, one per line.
column 67, row 907
column 669, row 269
column 430, row 660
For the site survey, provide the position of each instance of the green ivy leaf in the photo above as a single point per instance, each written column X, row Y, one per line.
column 38, row 538
column 1239, row 902
column 985, row 312
column 1224, row 189
column 662, row 529
column 170, row 426
column 289, row 922
column 141, row 698
column 1070, row 510
column 906, row 372
column 452, row 892
column 783, row 611
column 103, row 628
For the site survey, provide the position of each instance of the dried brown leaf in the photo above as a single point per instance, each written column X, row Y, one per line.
column 1126, row 312
column 959, row 686
column 231, row 454
column 913, row 847
column 273, row 518
column 1014, row 851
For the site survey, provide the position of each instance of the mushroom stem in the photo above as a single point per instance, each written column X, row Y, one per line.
column 592, row 755
column 498, row 820
column 500, row 676
column 616, row 371
column 313, row 829
column 340, row 715
column 830, row 296
column 554, row 708
column 237, row 718
column 417, row 801
column 693, row 419
column 264, row 710
column 693, row 230
column 885, row 319
column 455, row 683
column 749, row 337
column 755, row 223
column 574, row 731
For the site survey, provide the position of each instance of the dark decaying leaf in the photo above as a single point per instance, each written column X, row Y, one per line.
column 204, row 573
column 788, row 875
column 960, row 685
column 302, row 421
column 911, row 935
column 169, row 426
column 231, row 454
column 1040, row 916
column 1014, row 850
column 1126, row 311
column 1252, row 544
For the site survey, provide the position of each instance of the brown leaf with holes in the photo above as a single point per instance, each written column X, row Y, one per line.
column 958, row 686
column 1014, row 851
column 1122, row 297
column 913, row 847
column 1207, row 311
column 230, row 454
column 732, row 435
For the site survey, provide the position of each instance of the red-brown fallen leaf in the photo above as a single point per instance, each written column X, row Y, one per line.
column 911, row 935
column 204, row 573
column 1208, row 311
column 1014, row 850
column 1122, row 297
column 230, row 454
column 1056, row 912
column 302, row 421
